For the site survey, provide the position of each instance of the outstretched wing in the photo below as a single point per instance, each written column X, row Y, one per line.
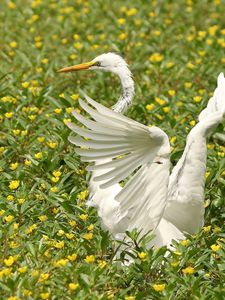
column 130, row 150
column 185, row 207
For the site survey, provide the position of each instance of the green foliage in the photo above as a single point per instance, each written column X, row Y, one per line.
column 52, row 245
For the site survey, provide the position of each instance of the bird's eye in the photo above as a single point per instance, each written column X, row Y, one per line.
column 98, row 64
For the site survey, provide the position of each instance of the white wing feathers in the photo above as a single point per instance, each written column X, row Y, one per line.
column 110, row 136
column 185, row 207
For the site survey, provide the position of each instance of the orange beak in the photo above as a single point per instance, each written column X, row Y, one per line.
column 79, row 67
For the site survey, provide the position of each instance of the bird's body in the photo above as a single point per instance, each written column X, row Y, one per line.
column 152, row 199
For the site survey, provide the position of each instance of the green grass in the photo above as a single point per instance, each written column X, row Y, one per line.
column 44, row 220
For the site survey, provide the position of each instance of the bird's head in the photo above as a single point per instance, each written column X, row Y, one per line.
column 107, row 61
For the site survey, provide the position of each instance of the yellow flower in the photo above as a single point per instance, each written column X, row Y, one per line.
column 38, row 45
column 58, row 110
column 21, row 200
column 142, row 255
column 54, row 189
column 73, row 286
column 10, row 198
column 27, row 293
column 130, row 298
column 60, row 232
column 131, row 12
column 188, row 270
column 61, row 263
column 44, row 61
column 197, row 98
column 89, row 259
column 185, row 242
column 173, row 139
column 150, row 107
column 213, row 29
column 14, row 166
column 83, row 195
column 122, row 36
column 207, row 203
column 166, row 109
column 83, row 217
column 24, row 132
column 8, row 218
column 102, row 263
column 215, row 247
column 209, row 41
column 12, row 298
column 2, row 149
column 216, row 229
column 44, row 295
column 121, row 21
column 43, row 277
column 156, row 32
column 73, row 56
column 59, row 245
column 31, row 228
column 2, row 211
column 8, row 115
column 43, row 218
column 32, row 117
column 27, row 162
column 70, row 236
column 41, row 139
column 5, row 271
column 88, row 236
column 65, row 121
column 159, row 287
column 34, row 273
column 69, row 110
column 16, row 131
column 55, row 210
column 188, row 85
column 74, row 97
column 22, row 269
column 11, row 5
column 57, row 173
column 52, row 144
column 62, row 96
column 174, row 263
column 72, row 257
column 72, row 223
column 25, row 84
column 14, row 184
column 190, row 65
column 160, row 101
column 9, row 261
column 192, row 122
column 91, row 227
column 206, row 228
column 38, row 155
column 13, row 44
column 156, row 57
column 54, row 179
column 15, row 226
column 170, row 64
column 171, row 92
column 78, row 45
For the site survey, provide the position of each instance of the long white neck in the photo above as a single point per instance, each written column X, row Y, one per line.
column 125, row 99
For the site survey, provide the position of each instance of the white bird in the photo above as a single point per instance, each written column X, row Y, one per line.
column 152, row 200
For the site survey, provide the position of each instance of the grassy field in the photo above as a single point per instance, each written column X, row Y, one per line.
column 52, row 246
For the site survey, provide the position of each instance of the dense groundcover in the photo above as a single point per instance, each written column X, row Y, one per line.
column 52, row 246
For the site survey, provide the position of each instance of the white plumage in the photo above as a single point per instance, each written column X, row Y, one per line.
column 152, row 200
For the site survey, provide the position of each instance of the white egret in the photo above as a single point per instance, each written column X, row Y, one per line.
column 152, row 199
